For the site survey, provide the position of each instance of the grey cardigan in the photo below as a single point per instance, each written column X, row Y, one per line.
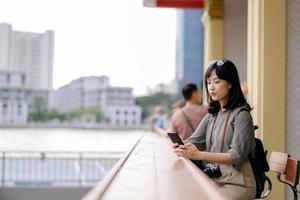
column 239, row 135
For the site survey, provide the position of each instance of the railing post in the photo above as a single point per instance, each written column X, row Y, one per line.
column 80, row 170
column 3, row 169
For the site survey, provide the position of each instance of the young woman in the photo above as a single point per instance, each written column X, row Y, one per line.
column 225, row 137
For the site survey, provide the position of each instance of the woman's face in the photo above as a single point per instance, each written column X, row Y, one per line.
column 218, row 89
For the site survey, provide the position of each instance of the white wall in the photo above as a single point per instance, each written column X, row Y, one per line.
column 5, row 41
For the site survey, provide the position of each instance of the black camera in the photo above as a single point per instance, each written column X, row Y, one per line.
column 212, row 171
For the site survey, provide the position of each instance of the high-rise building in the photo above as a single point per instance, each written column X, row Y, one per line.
column 28, row 53
column 13, row 99
column 189, row 48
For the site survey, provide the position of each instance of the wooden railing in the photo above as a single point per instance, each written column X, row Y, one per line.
column 151, row 170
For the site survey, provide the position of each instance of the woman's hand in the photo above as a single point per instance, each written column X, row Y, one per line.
column 188, row 150
column 174, row 145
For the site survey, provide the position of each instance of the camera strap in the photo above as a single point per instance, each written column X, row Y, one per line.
column 223, row 134
column 224, row 130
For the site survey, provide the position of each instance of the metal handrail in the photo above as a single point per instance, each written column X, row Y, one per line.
column 47, row 169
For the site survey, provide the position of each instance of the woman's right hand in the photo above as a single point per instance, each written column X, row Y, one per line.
column 189, row 151
column 174, row 145
column 178, row 150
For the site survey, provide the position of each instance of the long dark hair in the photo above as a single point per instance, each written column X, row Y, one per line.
column 225, row 70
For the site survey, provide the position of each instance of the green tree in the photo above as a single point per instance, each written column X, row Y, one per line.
column 38, row 111
column 148, row 102
column 38, row 104
column 43, row 116
column 94, row 110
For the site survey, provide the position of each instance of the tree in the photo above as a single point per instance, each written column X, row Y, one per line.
column 148, row 102
column 43, row 116
column 94, row 110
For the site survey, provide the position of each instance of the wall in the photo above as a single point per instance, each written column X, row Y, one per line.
column 293, row 81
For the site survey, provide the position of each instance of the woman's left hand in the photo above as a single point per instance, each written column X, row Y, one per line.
column 188, row 150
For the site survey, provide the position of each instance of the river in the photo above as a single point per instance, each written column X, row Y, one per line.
column 77, row 140
column 47, row 157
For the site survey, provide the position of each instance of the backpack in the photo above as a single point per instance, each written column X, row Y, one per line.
column 260, row 166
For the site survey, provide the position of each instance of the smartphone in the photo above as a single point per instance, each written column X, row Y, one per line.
column 175, row 138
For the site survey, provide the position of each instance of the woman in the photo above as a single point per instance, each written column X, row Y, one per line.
column 225, row 137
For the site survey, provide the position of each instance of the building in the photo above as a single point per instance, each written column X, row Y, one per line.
column 26, row 65
column 189, row 48
column 119, row 107
column 17, row 101
column 13, row 99
column 117, row 103
column 28, row 53
column 80, row 93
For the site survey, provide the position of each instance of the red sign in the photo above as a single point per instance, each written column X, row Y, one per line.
column 197, row 4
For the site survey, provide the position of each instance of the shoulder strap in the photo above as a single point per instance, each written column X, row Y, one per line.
column 236, row 114
column 223, row 135
column 224, row 130
column 188, row 120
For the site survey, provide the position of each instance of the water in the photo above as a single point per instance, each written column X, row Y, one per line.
column 77, row 140
column 52, row 162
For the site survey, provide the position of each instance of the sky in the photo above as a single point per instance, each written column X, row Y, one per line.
column 133, row 45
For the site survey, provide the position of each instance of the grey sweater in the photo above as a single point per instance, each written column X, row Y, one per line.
column 239, row 135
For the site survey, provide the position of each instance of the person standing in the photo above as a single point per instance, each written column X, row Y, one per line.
column 159, row 119
column 185, row 120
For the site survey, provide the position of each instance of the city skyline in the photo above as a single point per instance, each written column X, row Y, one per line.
column 133, row 45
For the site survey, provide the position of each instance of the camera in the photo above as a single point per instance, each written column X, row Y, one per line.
column 212, row 171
